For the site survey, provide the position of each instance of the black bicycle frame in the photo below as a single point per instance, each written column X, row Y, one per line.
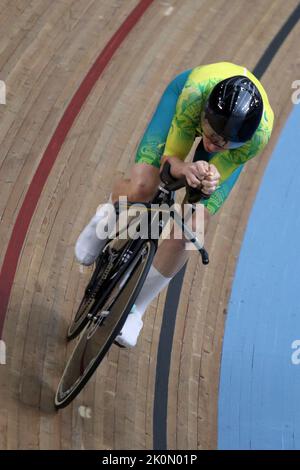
column 117, row 263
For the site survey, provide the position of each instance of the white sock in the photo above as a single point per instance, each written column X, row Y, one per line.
column 154, row 284
column 89, row 245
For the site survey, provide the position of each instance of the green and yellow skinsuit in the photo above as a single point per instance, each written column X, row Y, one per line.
column 177, row 122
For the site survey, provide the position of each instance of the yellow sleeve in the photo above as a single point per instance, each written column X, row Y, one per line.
column 182, row 132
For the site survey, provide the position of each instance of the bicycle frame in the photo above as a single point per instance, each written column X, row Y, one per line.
column 166, row 196
column 117, row 263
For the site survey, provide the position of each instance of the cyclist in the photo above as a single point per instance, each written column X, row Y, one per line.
column 227, row 106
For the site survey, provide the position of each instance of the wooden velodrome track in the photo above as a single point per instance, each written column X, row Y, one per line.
column 46, row 49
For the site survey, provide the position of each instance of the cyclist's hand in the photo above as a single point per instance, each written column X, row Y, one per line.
column 195, row 173
column 211, row 180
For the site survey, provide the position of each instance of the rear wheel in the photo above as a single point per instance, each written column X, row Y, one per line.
column 105, row 325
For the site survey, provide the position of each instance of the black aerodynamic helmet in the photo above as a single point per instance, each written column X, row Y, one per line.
column 234, row 109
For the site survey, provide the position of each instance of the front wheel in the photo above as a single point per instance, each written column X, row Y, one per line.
column 100, row 332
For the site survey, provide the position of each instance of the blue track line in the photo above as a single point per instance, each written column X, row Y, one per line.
column 260, row 372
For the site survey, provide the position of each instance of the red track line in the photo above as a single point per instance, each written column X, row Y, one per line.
column 31, row 199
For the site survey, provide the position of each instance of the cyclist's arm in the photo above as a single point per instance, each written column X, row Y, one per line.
column 176, row 163
column 182, row 132
column 193, row 172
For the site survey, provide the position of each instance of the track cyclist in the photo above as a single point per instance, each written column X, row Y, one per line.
column 225, row 105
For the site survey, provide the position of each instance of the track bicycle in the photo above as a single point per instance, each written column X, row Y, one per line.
column 119, row 274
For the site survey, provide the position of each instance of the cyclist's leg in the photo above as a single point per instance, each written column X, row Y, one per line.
column 155, row 282
column 169, row 259
column 141, row 185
